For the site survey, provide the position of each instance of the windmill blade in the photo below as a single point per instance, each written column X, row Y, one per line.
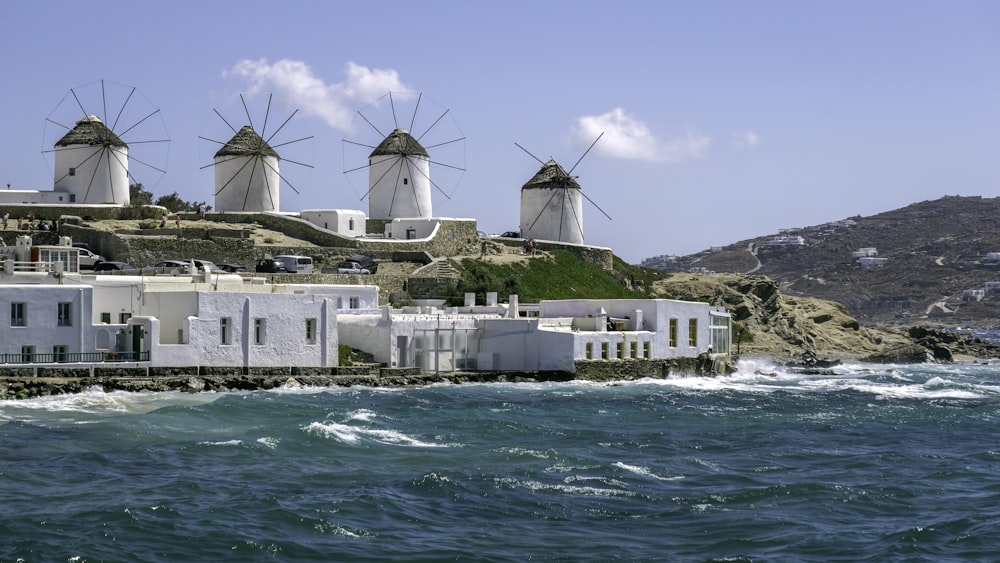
column 358, row 168
column 57, row 123
column 372, row 125
column 379, row 180
column 297, row 162
column 290, row 142
column 443, row 165
column 372, row 147
column 413, row 118
column 529, row 154
column 247, row 110
column 267, row 184
column 146, row 164
column 94, row 175
column 413, row 185
column 211, row 140
column 595, row 205
column 429, row 147
column 585, row 153
column 433, row 125
column 136, row 124
column 278, row 130
column 104, row 100
column 75, row 97
column 399, row 172
column 216, row 163
column 437, row 187
column 80, row 164
column 267, row 112
column 576, row 217
column 224, row 120
column 393, row 106
column 121, row 109
column 283, row 178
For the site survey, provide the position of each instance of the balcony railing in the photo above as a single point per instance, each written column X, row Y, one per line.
column 74, row 357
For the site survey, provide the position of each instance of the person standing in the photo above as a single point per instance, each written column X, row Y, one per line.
column 201, row 210
column 6, row 216
column 177, row 220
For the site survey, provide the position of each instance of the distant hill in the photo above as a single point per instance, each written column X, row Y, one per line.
column 908, row 266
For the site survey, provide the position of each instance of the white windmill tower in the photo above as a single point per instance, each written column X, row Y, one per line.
column 399, row 184
column 92, row 159
column 399, row 178
column 247, row 168
column 552, row 203
column 92, row 164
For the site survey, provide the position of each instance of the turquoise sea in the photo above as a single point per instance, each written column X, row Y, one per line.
column 870, row 463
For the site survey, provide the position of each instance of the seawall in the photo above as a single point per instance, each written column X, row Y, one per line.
column 23, row 382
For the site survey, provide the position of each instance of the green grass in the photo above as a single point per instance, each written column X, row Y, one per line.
column 563, row 277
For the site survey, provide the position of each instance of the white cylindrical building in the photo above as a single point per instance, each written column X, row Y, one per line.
column 552, row 206
column 399, row 179
column 246, row 174
column 91, row 164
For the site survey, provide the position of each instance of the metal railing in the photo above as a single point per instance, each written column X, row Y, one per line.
column 74, row 358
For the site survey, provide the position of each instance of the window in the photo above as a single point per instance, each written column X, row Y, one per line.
column 620, row 350
column 17, row 314
column 65, row 314
column 258, row 331
column 27, row 354
column 406, row 181
column 350, row 224
column 59, row 353
column 106, row 318
column 72, row 171
column 225, row 331
column 590, row 350
column 634, row 349
column 693, row 332
column 673, row 333
column 604, row 350
column 123, row 318
column 311, row 331
column 646, row 350
column 355, row 302
column 340, row 302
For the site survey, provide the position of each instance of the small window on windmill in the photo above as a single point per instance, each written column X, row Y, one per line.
column 406, row 181
column 72, row 171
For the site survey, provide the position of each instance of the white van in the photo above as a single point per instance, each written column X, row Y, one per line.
column 296, row 264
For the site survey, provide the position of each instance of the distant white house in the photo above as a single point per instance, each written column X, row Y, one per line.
column 786, row 240
column 871, row 262
column 973, row 295
column 867, row 252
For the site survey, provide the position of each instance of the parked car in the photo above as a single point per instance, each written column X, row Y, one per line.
column 270, row 266
column 88, row 259
column 366, row 262
column 185, row 265
column 234, row 268
column 349, row 267
column 111, row 266
column 296, row 264
column 511, row 234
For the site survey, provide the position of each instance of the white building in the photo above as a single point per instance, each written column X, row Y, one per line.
column 344, row 222
column 552, row 206
column 58, row 315
column 246, row 174
column 399, row 178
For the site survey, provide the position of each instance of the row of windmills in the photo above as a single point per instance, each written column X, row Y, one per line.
column 92, row 167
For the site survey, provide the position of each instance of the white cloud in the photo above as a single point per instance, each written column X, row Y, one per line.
column 628, row 138
column 295, row 82
column 746, row 139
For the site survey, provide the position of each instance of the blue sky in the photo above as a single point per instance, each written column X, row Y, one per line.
column 721, row 120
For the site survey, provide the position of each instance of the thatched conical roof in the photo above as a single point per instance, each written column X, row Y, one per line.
column 400, row 142
column 246, row 143
column 90, row 131
column 551, row 176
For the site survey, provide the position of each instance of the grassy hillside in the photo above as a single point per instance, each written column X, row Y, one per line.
column 559, row 276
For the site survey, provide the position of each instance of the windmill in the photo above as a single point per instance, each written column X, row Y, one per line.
column 552, row 202
column 247, row 170
column 99, row 138
column 398, row 159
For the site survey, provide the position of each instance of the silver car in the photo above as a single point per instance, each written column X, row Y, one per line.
column 88, row 259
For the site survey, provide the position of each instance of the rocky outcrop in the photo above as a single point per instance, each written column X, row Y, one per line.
column 804, row 330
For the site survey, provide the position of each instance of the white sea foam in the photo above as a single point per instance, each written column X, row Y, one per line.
column 644, row 472
column 353, row 435
column 226, row 443
column 511, row 482
column 361, row 414
column 94, row 404
column 269, row 442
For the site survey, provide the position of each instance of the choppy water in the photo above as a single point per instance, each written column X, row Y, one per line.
column 874, row 463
